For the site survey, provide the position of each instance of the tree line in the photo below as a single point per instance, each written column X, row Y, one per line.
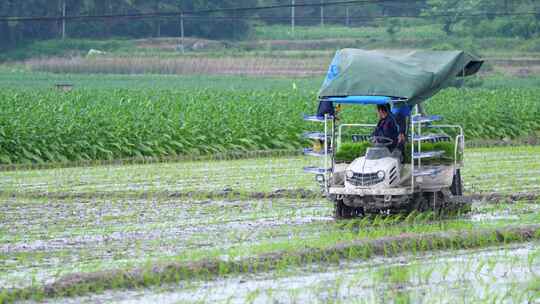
column 498, row 17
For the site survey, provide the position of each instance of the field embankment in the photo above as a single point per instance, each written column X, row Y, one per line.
column 304, row 38
column 431, row 277
column 275, row 64
column 163, row 273
column 245, row 66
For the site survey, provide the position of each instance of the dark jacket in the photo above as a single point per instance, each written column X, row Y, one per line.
column 388, row 128
column 401, row 114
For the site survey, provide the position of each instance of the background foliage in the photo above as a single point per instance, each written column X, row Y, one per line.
column 453, row 16
column 43, row 125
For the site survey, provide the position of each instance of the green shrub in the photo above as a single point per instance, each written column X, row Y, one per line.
column 446, row 147
column 350, row 151
column 444, row 46
column 52, row 48
column 532, row 45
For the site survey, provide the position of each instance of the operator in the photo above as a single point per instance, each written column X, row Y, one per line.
column 401, row 114
column 387, row 126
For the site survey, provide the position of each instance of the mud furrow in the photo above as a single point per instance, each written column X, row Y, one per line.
column 231, row 194
column 173, row 272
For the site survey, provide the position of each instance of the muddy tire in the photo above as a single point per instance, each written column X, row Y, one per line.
column 437, row 202
column 429, row 201
column 344, row 212
column 457, row 184
column 419, row 203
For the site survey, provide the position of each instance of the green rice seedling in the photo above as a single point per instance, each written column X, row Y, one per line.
column 533, row 290
column 491, row 264
column 223, row 268
column 426, row 276
column 446, row 270
column 533, row 258
column 252, row 296
column 350, row 151
column 367, row 251
column 423, row 244
column 395, row 248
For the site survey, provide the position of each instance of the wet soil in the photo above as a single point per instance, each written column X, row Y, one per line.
column 480, row 275
column 76, row 222
column 42, row 237
column 47, row 239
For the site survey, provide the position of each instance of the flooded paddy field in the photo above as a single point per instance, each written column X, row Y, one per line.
column 58, row 222
column 505, row 170
column 47, row 239
column 509, row 274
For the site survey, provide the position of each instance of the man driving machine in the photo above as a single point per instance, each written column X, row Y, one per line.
column 387, row 126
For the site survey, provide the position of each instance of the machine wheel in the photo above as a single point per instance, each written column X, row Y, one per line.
column 457, row 184
column 419, row 203
column 343, row 212
column 436, row 202
column 428, row 201
column 445, row 204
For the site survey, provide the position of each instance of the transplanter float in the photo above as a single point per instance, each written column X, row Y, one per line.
column 378, row 180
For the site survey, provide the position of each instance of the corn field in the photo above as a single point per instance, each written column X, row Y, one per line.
column 47, row 126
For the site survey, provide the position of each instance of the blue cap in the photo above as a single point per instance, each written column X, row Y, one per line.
column 402, row 110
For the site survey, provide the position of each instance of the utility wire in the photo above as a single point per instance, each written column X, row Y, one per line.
column 471, row 15
column 199, row 12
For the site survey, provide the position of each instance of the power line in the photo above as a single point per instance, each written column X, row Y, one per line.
column 332, row 18
column 198, row 12
column 194, row 15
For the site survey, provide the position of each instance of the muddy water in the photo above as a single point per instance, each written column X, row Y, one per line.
column 500, row 170
column 264, row 174
column 42, row 240
column 47, row 236
column 501, row 274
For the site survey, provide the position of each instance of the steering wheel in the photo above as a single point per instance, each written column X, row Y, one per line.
column 381, row 141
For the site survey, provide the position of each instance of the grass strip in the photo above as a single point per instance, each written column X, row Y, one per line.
column 226, row 194
column 228, row 155
column 161, row 273
column 239, row 195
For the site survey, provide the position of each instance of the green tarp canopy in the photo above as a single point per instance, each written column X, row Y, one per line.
column 415, row 76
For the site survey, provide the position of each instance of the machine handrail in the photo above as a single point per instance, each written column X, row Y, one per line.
column 458, row 144
column 459, row 138
column 350, row 125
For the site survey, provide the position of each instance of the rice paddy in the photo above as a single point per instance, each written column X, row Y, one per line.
column 499, row 274
column 206, row 230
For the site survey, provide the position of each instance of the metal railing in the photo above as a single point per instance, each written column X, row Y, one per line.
column 340, row 132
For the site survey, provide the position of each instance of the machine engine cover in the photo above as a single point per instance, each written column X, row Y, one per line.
column 373, row 173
